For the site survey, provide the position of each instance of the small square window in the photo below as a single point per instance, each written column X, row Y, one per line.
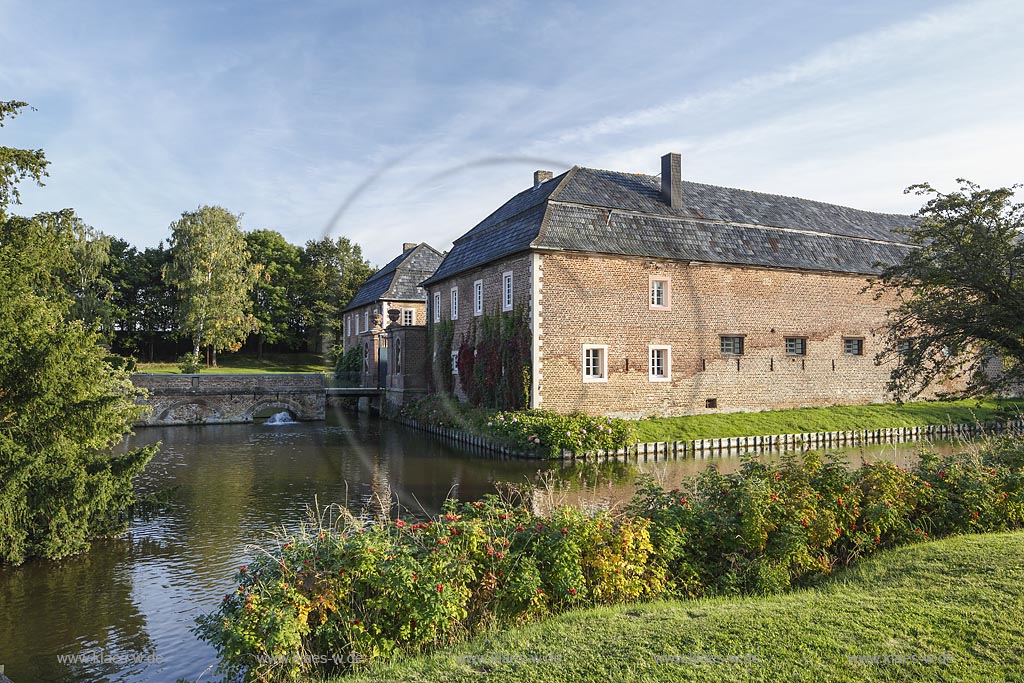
column 408, row 316
column 506, row 291
column 903, row 347
column 659, row 366
column 659, row 292
column 796, row 346
column 595, row 363
column 853, row 347
column 478, row 297
column 437, row 307
column 732, row 346
column 455, row 303
column 711, row 403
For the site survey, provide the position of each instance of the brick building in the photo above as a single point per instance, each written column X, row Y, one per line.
column 396, row 285
column 650, row 295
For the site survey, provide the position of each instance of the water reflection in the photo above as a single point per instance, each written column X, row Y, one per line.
column 134, row 599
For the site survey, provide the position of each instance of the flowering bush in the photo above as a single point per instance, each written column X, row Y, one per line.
column 365, row 592
column 550, row 433
column 369, row 591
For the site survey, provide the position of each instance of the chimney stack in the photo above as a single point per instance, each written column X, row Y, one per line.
column 672, row 180
column 541, row 177
column 409, row 245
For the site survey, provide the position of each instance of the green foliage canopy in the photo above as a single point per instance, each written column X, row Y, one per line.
column 960, row 314
column 212, row 272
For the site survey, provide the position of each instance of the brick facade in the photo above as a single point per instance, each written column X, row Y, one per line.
column 491, row 277
column 604, row 300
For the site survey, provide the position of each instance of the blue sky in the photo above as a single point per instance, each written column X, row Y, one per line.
column 441, row 110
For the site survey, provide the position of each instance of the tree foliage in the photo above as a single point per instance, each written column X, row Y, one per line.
column 86, row 280
column 142, row 303
column 213, row 275
column 276, row 296
column 960, row 293
column 63, row 407
column 17, row 164
column 334, row 272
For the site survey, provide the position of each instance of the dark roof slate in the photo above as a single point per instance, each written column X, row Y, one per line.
column 623, row 213
column 400, row 279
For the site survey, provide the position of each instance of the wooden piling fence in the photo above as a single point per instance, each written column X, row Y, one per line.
column 701, row 448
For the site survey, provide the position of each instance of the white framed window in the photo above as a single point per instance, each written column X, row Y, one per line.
column 660, row 293
column 853, row 346
column 437, row 307
column 659, row 363
column 478, row 297
column 506, row 291
column 366, row 320
column 595, row 363
column 455, row 303
column 731, row 345
column 408, row 316
column 796, row 346
column 348, row 325
column 455, row 362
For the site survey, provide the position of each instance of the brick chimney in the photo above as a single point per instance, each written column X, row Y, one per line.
column 540, row 177
column 672, row 180
column 409, row 245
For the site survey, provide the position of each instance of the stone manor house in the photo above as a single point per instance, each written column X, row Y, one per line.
column 659, row 296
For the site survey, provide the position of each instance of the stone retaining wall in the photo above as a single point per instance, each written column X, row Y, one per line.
column 222, row 399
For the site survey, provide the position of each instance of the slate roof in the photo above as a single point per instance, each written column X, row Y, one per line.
column 400, row 279
column 610, row 212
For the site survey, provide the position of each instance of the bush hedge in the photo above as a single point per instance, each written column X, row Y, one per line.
column 363, row 591
column 542, row 432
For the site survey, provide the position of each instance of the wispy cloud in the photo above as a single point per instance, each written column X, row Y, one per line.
column 283, row 111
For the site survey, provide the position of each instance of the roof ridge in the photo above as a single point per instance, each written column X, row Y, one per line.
column 718, row 221
column 757, row 192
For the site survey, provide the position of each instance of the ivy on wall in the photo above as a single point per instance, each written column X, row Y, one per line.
column 494, row 361
column 441, row 354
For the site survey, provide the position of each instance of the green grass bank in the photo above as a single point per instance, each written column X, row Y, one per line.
column 948, row 610
column 827, row 419
column 228, row 364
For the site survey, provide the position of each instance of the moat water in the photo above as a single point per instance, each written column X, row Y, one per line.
column 123, row 611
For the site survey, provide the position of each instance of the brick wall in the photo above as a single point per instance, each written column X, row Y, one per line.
column 491, row 277
column 604, row 300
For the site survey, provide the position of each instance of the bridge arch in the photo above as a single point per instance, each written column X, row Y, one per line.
column 294, row 408
column 190, row 411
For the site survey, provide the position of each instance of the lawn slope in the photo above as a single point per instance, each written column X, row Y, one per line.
column 951, row 610
column 828, row 419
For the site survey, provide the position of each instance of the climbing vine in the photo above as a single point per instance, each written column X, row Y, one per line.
column 441, row 352
column 494, row 361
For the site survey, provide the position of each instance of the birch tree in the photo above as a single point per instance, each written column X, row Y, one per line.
column 213, row 275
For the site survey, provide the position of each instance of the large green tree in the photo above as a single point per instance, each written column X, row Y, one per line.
column 63, row 407
column 959, row 315
column 333, row 271
column 276, row 296
column 142, row 303
column 87, row 281
column 211, row 270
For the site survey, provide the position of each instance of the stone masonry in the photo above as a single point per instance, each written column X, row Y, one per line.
column 220, row 399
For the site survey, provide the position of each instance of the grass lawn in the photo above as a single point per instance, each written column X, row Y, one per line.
column 229, row 364
column 949, row 610
column 830, row 419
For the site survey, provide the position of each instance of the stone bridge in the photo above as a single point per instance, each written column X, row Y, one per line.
column 222, row 399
